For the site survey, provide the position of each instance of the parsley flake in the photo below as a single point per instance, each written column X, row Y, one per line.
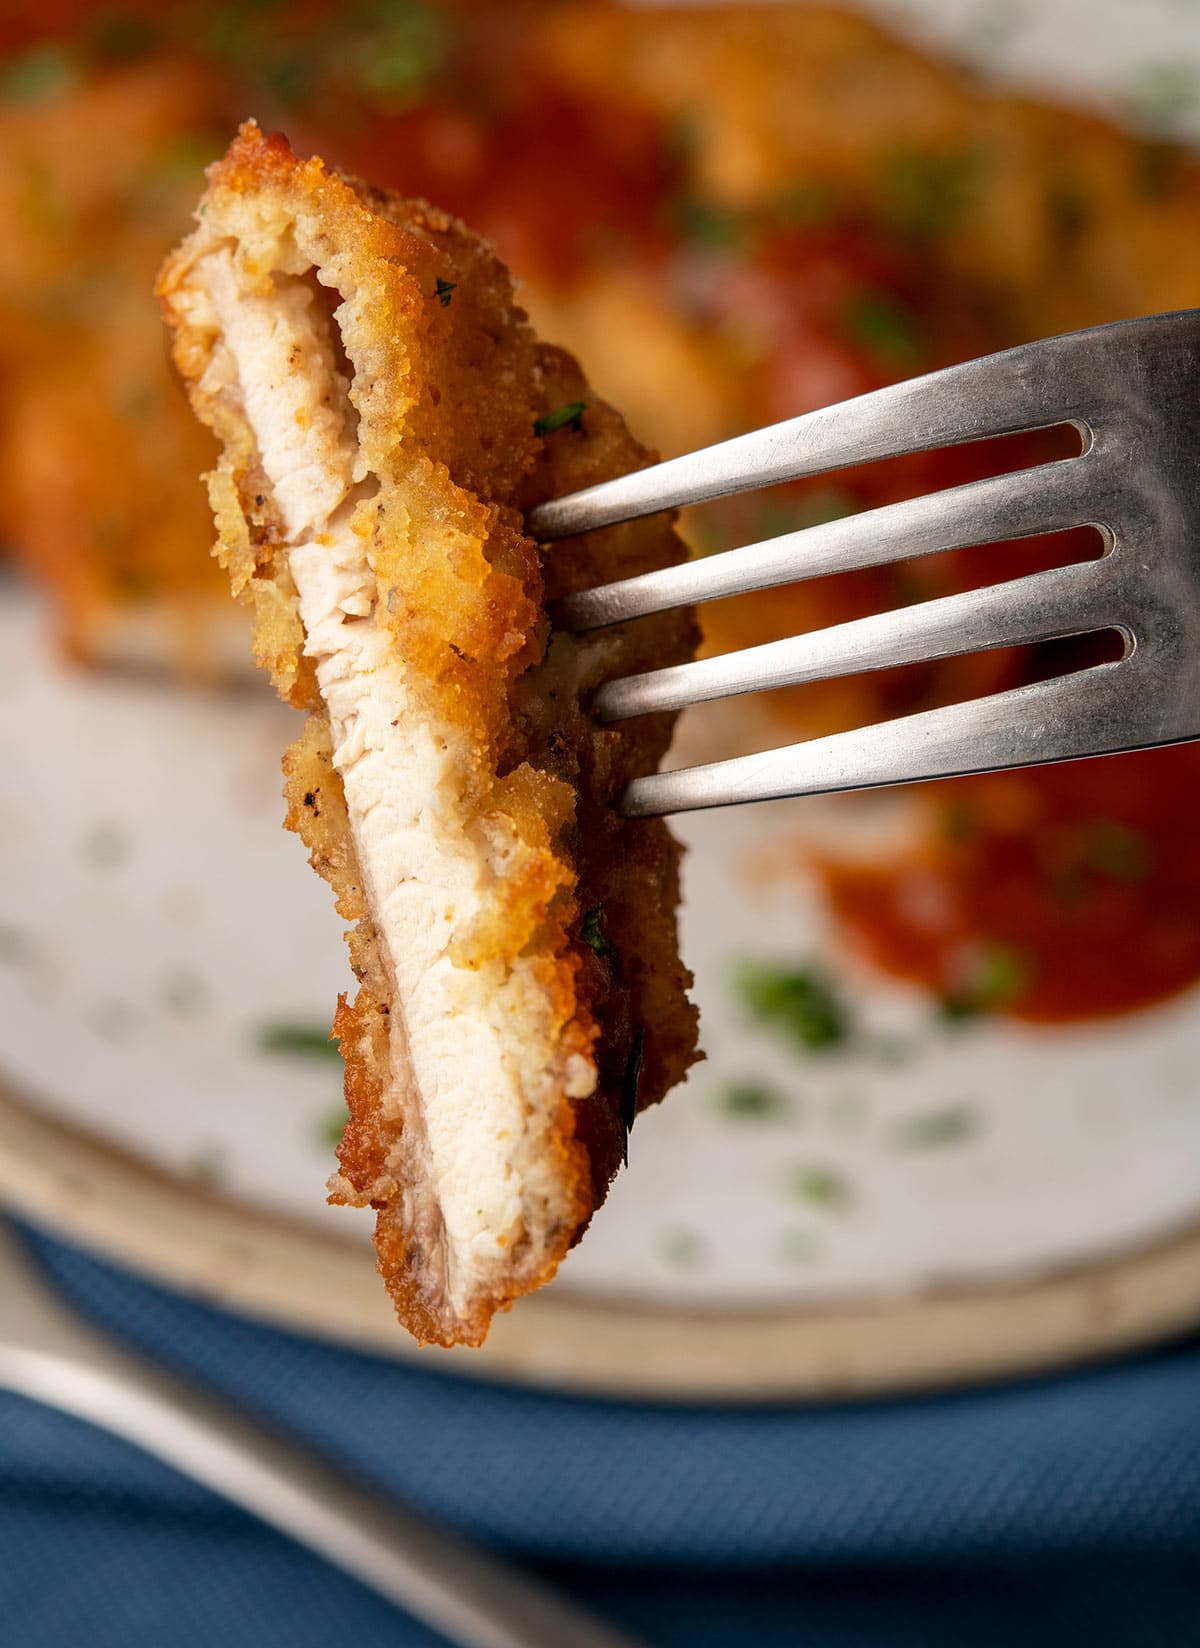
column 41, row 72
column 293, row 1040
column 444, row 290
column 996, row 976
column 682, row 1248
column 332, row 1125
column 820, row 1186
column 592, row 932
column 928, row 192
column 752, row 1101
column 799, row 1002
column 931, row 1129
column 569, row 416
column 887, row 329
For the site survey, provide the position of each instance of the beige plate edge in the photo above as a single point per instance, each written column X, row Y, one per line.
column 293, row 1277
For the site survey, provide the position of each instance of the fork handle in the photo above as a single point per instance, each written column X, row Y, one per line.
column 474, row 1600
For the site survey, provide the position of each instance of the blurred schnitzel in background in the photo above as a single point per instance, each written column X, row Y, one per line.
column 732, row 214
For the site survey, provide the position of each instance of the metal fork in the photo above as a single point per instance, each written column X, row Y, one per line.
column 475, row 1600
column 1131, row 389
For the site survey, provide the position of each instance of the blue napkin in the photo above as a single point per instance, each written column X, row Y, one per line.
column 1058, row 1511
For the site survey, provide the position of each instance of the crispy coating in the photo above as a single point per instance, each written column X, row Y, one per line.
column 443, row 400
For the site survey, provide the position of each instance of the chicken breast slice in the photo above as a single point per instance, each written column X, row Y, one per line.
column 386, row 415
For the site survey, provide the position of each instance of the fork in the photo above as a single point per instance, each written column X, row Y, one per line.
column 472, row 1598
column 1131, row 389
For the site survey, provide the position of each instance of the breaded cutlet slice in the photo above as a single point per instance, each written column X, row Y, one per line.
column 387, row 415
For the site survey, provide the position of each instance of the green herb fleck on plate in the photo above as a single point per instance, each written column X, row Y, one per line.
column 332, row 1125
column 751, row 1101
column 683, row 1249
column 819, row 1186
column 444, row 291
column 708, row 225
column 569, row 416
column 931, row 1129
column 799, row 1002
column 997, row 975
column 292, row 1040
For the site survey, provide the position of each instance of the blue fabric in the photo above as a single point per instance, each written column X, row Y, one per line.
column 1061, row 1510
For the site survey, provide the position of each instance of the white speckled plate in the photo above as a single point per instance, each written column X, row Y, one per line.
column 168, row 965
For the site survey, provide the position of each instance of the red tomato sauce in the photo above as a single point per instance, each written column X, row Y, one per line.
column 1083, row 880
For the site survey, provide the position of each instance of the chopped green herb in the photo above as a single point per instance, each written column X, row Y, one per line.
column 708, row 225
column 307, row 1041
column 823, row 1187
column 928, row 192
column 950, row 1124
column 592, row 932
column 408, row 46
column 630, row 1082
column 41, row 72
column 444, row 291
column 332, row 1125
column 753, row 1100
column 569, row 416
column 799, row 1002
column 996, row 976
column 682, row 1248
column 888, row 329
column 1117, row 851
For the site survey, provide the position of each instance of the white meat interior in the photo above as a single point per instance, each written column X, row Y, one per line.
column 471, row 1048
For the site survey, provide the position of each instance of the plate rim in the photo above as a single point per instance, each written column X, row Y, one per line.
column 234, row 1256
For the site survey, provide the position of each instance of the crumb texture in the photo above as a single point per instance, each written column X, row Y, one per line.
column 386, row 416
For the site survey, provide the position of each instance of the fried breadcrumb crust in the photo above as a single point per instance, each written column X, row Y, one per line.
column 447, row 384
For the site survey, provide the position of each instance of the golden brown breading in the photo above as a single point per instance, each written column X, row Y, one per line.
column 382, row 405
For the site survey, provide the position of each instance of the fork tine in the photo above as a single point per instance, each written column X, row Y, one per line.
column 1048, row 498
column 1063, row 719
column 1022, row 388
column 1064, row 601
